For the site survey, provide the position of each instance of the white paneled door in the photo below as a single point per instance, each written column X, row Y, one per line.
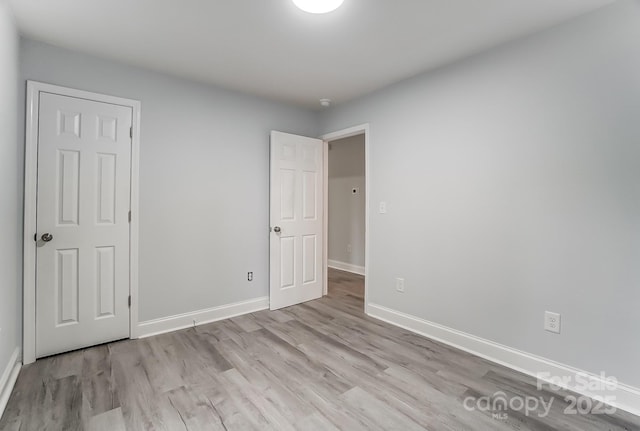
column 296, row 220
column 82, row 257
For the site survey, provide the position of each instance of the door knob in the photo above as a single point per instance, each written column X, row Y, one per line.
column 46, row 237
column 276, row 229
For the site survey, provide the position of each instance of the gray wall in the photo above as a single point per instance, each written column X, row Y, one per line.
column 10, row 192
column 512, row 182
column 346, row 210
column 204, row 169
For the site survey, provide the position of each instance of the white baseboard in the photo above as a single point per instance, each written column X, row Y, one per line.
column 343, row 266
column 185, row 320
column 623, row 396
column 8, row 379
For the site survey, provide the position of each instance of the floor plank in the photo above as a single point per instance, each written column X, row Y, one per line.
column 111, row 420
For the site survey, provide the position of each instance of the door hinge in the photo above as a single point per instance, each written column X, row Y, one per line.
column 129, row 301
column 129, row 216
column 131, row 132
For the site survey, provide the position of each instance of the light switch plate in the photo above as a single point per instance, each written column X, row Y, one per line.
column 400, row 285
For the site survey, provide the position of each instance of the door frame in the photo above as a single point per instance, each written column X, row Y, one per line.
column 327, row 138
column 34, row 89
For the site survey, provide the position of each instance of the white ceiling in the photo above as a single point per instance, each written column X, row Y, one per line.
column 272, row 49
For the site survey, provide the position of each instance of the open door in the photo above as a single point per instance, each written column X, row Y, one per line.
column 296, row 211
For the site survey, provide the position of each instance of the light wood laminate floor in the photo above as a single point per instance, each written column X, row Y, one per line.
column 322, row 365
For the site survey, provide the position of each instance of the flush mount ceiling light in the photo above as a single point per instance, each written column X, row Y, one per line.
column 318, row 6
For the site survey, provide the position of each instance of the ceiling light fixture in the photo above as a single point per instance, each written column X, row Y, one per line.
column 318, row 6
column 325, row 102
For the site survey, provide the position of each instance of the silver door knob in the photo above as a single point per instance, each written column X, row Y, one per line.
column 46, row 237
column 276, row 229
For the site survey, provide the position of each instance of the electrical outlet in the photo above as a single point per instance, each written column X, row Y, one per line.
column 552, row 322
column 400, row 285
column 383, row 208
column 349, row 248
column 250, row 276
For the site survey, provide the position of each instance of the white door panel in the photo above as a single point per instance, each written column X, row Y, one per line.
column 296, row 210
column 84, row 177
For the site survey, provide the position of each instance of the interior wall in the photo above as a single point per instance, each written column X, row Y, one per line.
column 204, row 169
column 347, row 210
column 11, row 202
column 512, row 182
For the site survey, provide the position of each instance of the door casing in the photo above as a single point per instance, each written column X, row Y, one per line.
column 341, row 134
column 30, row 204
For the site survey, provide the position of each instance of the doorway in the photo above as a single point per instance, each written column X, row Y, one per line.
column 346, row 212
column 299, row 217
column 81, row 182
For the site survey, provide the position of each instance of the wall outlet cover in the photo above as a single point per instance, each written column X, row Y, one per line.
column 552, row 322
